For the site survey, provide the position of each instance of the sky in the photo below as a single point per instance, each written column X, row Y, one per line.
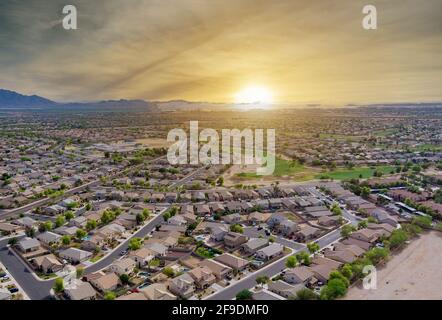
column 302, row 51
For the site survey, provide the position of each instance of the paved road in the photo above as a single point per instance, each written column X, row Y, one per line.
column 144, row 231
column 230, row 292
column 36, row 290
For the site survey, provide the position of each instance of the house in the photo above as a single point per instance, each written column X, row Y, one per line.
column 266, row 295
column 307, row 232
column 232, row 261
column 232, row 218
column 5, row 294
column 276, row 219
column 270, row 252
column 26, row 222
column 49, row 238
column 367, row 235
column 323, row 266
column 364, row 245
column 79, row 222
column 157, row 248
column 94, row 242
column 157, row 291
column 123, row 266
column 75, row 255
column 217, row 233
column 105, row 282
column 47, row 264
column 134, row 296
column 8, row 228
column 177, row 220
column 256, row 217
column 284, row 289
column 299, row 275
column 28, row 245
column 328, row 221
column 202, row 276
column 254, row 244
column 384, row 228
column 142, row 256
column 288, row 227
column 234, row 240
column 344, row 255
column 202, row 209
column 182, row 286
column 220, row 270
column 54, row 210
column 80, row 291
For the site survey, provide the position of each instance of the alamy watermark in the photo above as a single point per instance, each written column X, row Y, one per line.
column 204, row 147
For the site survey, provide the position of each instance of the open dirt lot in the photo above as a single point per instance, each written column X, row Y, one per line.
column 414, row 273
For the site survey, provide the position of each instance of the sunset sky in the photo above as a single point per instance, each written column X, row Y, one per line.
column 312, row 51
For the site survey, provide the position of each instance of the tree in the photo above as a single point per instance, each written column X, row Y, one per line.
column 335, row 274
column 336, row 209
column 291, row 262
column 262, row 280
column 146, row 213
column 236, row 228
column 58, row 285
column 335, row 288
column 135, row 243
column 140, row 218
column 12, row 241
column 110, row 295
column 397, row 238
column 347, row 271
column 60, row 220
column 80, row 272
column 306, row 294
column 69, row 215
column 244, row 295
column 304, row 258
column 313, row 247
column 107, row 216
column 423, row 222
column 124, row 278
column 91, row 225
column 365, row 192
column 346, row 230
column 66, row 240
column 80, row 234
column 168, row 271
column 375, row 255
column 362, row 224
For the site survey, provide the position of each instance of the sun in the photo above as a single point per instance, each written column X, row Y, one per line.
column 254, row 95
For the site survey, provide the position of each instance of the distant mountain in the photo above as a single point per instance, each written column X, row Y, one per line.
column 14, row 100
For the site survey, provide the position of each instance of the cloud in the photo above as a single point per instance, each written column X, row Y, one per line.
column 206, row 50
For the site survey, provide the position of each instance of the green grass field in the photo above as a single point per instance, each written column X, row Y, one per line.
column 427, row 147
column 282, row 168
column 355, row 173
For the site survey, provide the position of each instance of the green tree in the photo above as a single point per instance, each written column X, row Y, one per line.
column 304, row 258
column 236, row 228
column 306, row 294
column 362, row 224
column 423, row 222
column 313, row 247
column 110, row 295
column 12, row 241
column 335, row 288
column 140, row 218
column 146, row 213
column 66, row 240
column 58, row 285
column 91, row 225
column 291, row 262
column 60, row 220
column 347, row 271
column 335, row 274
column 397, row 238
column 347, row 230
column 135, row 243
column 80, row 234
column 168, row 271
column 69, row 215
column 262, row 280
column 124, row 278
column 80, row 272
column 244, row 295
column 365, row 192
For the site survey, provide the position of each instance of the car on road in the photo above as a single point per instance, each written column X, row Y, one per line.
column 268, row 233
column 122, row 253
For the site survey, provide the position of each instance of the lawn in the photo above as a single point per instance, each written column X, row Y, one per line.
column 355, row 173
column 97, row 257
column 282, row 168
column 427, row 147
